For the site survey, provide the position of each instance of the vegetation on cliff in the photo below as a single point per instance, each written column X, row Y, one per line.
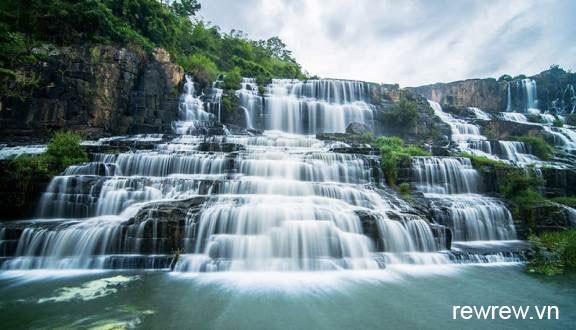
column 24, row 176
column 28, row 25
column 553, row 252
column 393, row 153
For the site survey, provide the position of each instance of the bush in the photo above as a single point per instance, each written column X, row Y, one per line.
column 392, row 153
column 403, row 114
column 64, row 149
column 558, row 122
column 553, row 252
column 538, row 146
column 202, row 68
column 521, row 187
column 232, row 79
column 404, row 189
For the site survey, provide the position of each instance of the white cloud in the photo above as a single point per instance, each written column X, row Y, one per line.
column 410, row 42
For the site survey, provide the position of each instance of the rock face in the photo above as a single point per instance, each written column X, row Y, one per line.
column 97, row 90
column 487, row 94
column 555, row 92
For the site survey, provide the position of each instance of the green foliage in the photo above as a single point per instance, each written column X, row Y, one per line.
column 538, row 146
column 480, row 161
column 558, row 122
column 403, row 114
column 146, row 24
column 521, row 187
column 232, row 79
column 404, row 189
column 394, row 152
column 202, row 67
column 27, row 171
column 64, row 149
column 553, row 252
column 565, row 200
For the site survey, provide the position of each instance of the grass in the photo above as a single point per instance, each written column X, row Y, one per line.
column 480, row 161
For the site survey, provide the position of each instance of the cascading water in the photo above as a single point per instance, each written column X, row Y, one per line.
column 307, row 107
column 250, row 101
column 468, row 138
column 452, row 186
column 191, row 110
column 277, row 201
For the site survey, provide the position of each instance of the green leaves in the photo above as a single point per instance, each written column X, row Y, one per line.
column 65, row 149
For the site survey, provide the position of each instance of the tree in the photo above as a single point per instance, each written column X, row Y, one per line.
column 185, row 8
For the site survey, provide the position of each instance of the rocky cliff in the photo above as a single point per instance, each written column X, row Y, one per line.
column 555, row 92
column 97, row 90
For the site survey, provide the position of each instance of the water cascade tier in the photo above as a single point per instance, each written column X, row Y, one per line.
column 206, row 200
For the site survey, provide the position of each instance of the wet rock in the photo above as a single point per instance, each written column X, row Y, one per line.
column 158, row 228
column 358, row 129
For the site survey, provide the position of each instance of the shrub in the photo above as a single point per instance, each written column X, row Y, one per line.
column 64, row 149
column 403, row 114
column 392, row 153
column 202, row 68
column 553, row 252
column 558, row 122
column 404, row 189
column 521, row 187
column 538, row 146
column 232, row 79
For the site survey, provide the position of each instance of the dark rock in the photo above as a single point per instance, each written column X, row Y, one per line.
column 358, row 129
column 97, row 90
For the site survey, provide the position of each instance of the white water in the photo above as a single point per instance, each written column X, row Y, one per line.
column 281, row 202
column 312, row 106
column 452, row 186
column 191, row 110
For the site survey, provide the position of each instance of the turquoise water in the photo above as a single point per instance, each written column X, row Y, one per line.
column 409, row 298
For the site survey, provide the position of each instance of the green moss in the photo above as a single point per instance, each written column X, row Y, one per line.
column 565, row 200
column 480, row 161
column 394, row 152
column 554, row 252
column 538, row 146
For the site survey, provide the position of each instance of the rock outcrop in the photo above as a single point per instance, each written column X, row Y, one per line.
column 555, row 90
column 487, row 94
column 97, row 90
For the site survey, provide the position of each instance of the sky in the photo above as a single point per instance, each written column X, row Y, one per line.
column 410, row 42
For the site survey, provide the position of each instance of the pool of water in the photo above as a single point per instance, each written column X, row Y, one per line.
column 407, row 297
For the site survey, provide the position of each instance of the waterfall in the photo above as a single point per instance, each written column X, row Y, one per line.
column 452, row 187
column 191, row 110
column 276, row 201
column 313, row 106
column 214, row 102
column 514, row 116
column 529, row 87
column 479, row 114
column 508, row 98
column 250, row 100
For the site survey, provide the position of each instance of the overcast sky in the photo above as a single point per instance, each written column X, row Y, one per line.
column 410, row 42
